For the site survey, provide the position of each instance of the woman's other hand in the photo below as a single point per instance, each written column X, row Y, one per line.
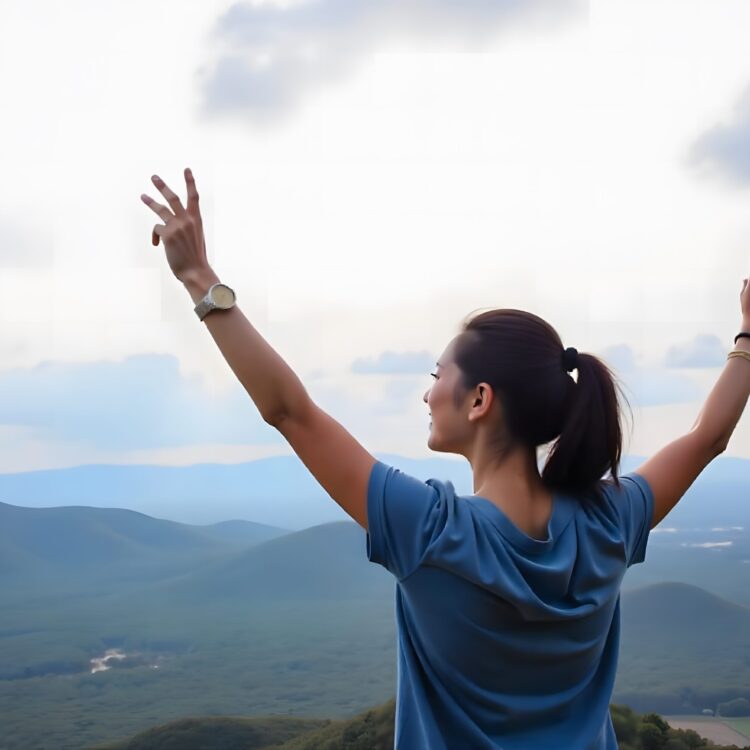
column 182, row 231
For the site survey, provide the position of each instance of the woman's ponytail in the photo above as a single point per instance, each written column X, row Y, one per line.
column 590, row 441
column 522, row 357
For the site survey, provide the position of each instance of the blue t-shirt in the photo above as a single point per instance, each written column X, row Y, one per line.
column 505, row 642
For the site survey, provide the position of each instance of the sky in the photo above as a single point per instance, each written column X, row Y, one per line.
column 370, row 172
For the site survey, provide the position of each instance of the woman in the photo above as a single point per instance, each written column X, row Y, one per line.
column 507, row 601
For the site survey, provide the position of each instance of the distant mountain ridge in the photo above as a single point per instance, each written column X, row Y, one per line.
column 280, row 491
column 80, row 544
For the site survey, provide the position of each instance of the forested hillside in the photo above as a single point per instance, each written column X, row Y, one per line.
column 370, row 730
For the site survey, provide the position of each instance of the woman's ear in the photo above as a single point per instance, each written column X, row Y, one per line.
column 482, row 398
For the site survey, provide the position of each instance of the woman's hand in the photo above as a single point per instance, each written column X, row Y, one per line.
column 182, row 232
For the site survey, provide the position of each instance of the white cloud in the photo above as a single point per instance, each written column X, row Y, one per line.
column 724, row 150
column 141, row 403
column 704, row 350
column 654, row 387
column 728, row 528
column 278, row 53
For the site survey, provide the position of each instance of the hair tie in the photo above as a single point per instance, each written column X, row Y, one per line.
column 570, row 359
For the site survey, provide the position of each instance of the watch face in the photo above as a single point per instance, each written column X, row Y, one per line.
column 223, row 296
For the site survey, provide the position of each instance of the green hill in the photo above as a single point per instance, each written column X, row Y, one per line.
column 227, row 733
column 683, row 649
column 71, row 548
column 673, row 604
column 322, row 562
column 372, row 729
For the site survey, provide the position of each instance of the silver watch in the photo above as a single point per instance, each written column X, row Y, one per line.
column 218, row 297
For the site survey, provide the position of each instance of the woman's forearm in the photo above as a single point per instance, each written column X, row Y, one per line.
column 271, row 383
column 727, row 400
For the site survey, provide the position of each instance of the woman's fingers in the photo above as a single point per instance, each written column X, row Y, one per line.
column 158, row 208
column 172, row 199
column 192, row 215
column 192, row 192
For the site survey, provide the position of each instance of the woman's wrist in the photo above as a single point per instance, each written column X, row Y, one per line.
column 199, row 281
column 743, row 342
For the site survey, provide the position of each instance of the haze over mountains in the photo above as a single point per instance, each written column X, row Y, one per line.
column 280, row 491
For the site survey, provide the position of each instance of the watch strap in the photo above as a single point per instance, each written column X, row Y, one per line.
column 204, row 307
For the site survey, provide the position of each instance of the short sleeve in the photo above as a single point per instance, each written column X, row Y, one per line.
column 634, row 504
column 403, row 514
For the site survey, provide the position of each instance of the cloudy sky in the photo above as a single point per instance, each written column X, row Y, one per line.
column 370, row 172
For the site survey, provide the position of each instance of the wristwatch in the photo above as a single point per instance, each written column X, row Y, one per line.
column 218, row 297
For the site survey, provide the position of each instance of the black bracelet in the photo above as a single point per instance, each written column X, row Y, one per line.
column 740, row 335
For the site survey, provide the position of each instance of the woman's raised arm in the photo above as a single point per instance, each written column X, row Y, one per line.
column 271, row 383
column 672, row 470
column 334, row 457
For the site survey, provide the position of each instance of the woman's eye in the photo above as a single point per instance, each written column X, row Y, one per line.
column 434, row 375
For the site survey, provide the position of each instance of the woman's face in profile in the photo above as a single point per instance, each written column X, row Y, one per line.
column 450, row 427
column 439, row 397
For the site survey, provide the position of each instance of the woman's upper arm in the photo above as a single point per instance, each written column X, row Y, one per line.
column 333, row 456
column 672, row 470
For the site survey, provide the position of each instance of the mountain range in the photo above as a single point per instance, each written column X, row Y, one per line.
column 280, row 491
column 271, row 619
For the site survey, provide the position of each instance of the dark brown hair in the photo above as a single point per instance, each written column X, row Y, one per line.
column 520, row 356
